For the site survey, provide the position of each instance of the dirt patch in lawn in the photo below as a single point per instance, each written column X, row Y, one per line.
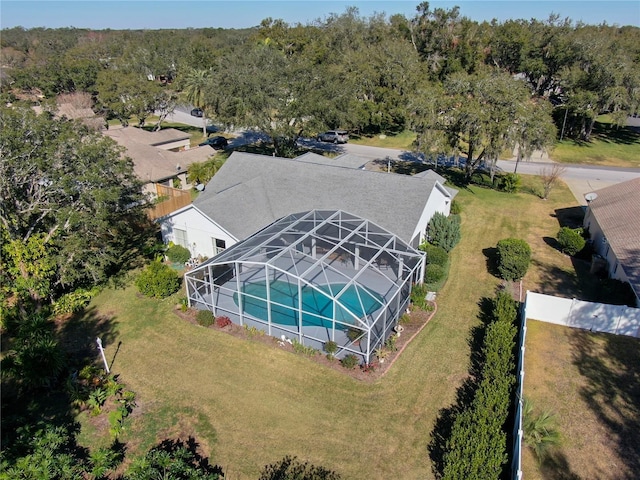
column 412, row 325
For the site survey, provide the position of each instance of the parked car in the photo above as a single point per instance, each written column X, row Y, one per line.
column 334, row 136
column 215, row 142
column 197, row 112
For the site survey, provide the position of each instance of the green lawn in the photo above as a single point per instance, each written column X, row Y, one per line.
column 249, row 404
column 609, row 146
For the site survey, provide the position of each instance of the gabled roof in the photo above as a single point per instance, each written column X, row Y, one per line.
column 251, row 191
column 617, row 211
column 152, row 164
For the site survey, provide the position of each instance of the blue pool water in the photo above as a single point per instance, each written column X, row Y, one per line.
column 317, row 308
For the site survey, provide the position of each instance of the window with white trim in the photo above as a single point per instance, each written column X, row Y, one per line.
column 218, row 245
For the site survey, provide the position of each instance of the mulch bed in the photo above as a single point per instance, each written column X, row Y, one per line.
column 417, row 319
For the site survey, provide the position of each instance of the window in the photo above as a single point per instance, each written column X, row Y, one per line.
column 218, row 245
column 180, row 237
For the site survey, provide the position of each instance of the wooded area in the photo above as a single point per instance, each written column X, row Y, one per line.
column 465, row 87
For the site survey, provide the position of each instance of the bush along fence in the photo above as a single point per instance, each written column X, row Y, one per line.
column 477, row 445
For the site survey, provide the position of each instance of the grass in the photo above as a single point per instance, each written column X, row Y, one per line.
column 403, row 140
column 609, row 146
column 590, row 382
column 248, row 404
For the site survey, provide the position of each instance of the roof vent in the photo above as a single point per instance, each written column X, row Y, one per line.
column 590, row 197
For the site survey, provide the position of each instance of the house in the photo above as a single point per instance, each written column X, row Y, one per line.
column 159, row 158
column 251, row 191
column 613, row 221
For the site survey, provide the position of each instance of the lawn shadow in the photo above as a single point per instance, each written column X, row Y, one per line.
column 491, row 256
column 612, row 393
column 556, row 467
column 77, row 336
column 465, row 394
column 571, row 217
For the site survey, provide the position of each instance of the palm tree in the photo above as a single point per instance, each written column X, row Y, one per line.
column 195, row 88
column 540, row 432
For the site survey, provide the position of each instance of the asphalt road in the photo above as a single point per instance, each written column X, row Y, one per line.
column 581, row 179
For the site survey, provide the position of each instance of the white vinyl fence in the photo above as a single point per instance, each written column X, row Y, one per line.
column 596, row 317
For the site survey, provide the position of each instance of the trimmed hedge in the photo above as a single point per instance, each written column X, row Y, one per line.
column 158, row 280
column 435, row 255
column 477, row 446
column 433, row 273
column 571, row 240
column 514, row 257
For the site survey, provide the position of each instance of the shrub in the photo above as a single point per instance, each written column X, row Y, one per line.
column 418, row 296
column 290, row 468
column 354, row 334
column 435, row 255
column 350, row 361
column 571, row 240
column 74, row 301
column 456, row 208
column 223, row 321
column 433, row 273
column 330, row 347
column 204, row 318
column 303, row 349
column 444, row 231
column 514, row 256
column 178, row 254
column 158, row 280
column 510, row 182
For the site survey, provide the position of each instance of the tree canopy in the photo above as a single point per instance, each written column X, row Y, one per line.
column 71, row 203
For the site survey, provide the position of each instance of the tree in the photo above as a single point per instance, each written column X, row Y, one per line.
column 477, row 115
column 514, row 257
column 196, row 84
column 550, row 176
column 71, row 207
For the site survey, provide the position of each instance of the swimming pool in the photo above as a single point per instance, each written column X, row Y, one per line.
column 317, row 308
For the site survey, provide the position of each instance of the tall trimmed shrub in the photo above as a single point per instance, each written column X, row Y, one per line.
column 477, row 446
column 435, row 255
column 444, row 231
column 514, row 257
column 158, row 280
column 571, row 240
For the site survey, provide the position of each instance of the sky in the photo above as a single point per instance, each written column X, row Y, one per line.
column 158, row 14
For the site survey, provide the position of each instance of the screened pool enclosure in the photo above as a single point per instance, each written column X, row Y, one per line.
column 313, row 277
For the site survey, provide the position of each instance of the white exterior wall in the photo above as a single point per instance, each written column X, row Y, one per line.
column 201, row 231
column 439, row 201
column 602, row 247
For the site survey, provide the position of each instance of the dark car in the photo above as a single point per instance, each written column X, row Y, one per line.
column 215, row 142
column 212, row 129
column 334, row 136
column 197, row 112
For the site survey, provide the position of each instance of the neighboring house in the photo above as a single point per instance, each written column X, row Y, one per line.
column 159, row 158
column 251, row 191
column 613, row 222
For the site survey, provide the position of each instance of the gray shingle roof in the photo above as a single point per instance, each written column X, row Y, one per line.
column 617, row 211
column 251, row 191
column 152, row 164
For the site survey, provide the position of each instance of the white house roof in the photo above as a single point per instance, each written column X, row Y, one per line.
column 251, row 191
column 617, row 211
